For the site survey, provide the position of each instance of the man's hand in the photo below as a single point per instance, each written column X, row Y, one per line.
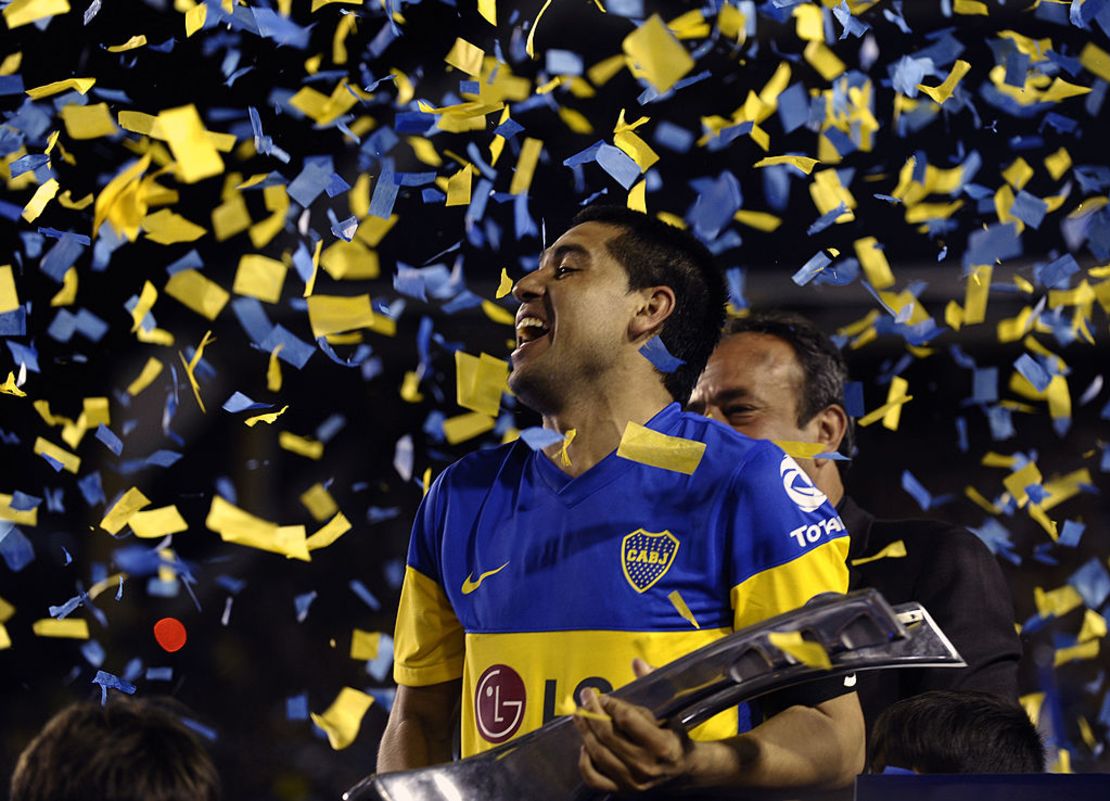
column 630, row 751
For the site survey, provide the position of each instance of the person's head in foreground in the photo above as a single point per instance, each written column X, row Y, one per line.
column 125, row 750
column 609, row 284
column 775, row 375
column 943, row 731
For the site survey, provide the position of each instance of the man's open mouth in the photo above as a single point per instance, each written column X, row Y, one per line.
column 529, row 329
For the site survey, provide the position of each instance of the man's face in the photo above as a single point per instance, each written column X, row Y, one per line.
column 573, row 320
column 753, row 383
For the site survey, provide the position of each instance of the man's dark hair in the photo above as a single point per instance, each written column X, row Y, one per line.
column 657, row 254
column 125, row 750
column 823, row 366
column 942, row 731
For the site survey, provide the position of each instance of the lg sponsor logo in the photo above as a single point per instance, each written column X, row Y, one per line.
column 499, row 703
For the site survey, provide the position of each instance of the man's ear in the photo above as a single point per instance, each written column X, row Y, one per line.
column 830, row 425
column 657, row 304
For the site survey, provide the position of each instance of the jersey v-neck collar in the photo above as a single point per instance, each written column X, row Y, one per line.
column 572, row 489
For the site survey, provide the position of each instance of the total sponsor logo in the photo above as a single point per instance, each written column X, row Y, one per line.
column 798, row 486
column 812, row 532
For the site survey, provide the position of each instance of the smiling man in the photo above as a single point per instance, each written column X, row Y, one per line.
column 535, row 579
column 777, row 376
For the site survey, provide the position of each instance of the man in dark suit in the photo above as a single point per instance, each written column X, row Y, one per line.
column 776, row 376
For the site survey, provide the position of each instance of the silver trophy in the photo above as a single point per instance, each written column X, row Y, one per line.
column 859, row 631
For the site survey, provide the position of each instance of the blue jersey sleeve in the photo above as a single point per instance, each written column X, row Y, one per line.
column 787, row 542
column 429, row 642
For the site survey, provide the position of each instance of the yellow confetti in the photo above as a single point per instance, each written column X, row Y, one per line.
column 488, row 10
column 24, row 12
column 190, row 366
column 530, row 44
column 9, row 298
column 896, row 398
column 1075, row 653
column 458, row 187
column 1017, row 482
column 9, row 387
column 319, row 503
column 88, row 122
column 302, row 446
column 1058, row 163
column 941, row 93
column 349, row 260
column 21, row 517
column 680, row 606
column 896, row 393
column 151, row 370
column 169, row 228
column 70, row 462
column 526, row 166
column 133, row 43
column 68, row 628
column 198, row 293
column 803, row 163
column 123, row 510
column 642, row 444
column 568, row 438
column 230, row 218
column 68, row 293
column 195, row 18
column 242, row 528
column 6, row 611
column 804, row 651
column 259, row 277
column 824, row 60
column 365, row 644
column 1018, row 173
column 466, row 57
column 873, row 260
column 503, row 288
column 1094, row 626
column 760, row 220
column 463, row 427
column 1062, row 90
column 895, row 550
column 273, row 370
column 155, row 523
column 196, row 156
column 480, row 382
column 79, row 85
column 267, row 417
column 976, row 294
column 343, row 718
column 970, row 7
column 809, row 22
column 637, row 196
column 332, row 314
column 329, row 532
column 655, row 54
column 43, row 195
column 5, row 638
column 1095, row 60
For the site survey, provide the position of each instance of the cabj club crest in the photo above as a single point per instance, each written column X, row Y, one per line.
column 646, row 557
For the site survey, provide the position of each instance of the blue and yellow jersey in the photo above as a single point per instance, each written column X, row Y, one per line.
column 531, row 585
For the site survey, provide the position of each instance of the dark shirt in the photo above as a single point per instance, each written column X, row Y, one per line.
column 950, row 572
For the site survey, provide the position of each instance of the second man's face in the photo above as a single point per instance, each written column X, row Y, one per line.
column 753, row 383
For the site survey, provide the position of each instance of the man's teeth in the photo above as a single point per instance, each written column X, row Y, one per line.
column 531, row 328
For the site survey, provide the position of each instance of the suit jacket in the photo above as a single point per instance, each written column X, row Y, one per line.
column 956, row 578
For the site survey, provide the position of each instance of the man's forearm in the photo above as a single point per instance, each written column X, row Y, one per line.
column 407, row 744
column 799, row 747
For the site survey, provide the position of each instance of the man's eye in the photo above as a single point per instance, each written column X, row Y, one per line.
column 562, row 270
column 733, row 411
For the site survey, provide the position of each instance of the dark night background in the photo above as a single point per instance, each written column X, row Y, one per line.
column 237, row 677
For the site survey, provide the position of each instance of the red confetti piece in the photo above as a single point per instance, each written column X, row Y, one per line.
column 170, row 634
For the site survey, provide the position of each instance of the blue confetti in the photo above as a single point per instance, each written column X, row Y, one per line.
column 109, row 682
column 537, row 438
column 367, row 597
column 811, row 268
column 655, row 351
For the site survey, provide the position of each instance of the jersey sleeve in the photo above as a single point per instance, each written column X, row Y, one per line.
column 788, row 544
column 428, row 642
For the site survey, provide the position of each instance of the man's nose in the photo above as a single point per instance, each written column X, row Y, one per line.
column 529, row 287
